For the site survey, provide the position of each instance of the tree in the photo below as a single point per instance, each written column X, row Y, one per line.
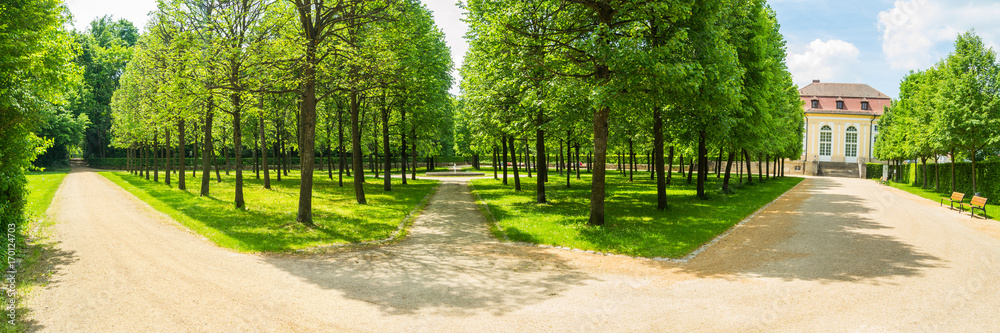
column 972, row 99
column 105, row 49
column 36, row 73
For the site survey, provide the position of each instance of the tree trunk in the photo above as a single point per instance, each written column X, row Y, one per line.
column 263, row 152
column 937, row 173
column 729, row 167
column 569, row 155
column 156, row 152
column 145, row 161
column 402, row 145
column 495, row 166
column 413, row 154
column 760, row 167
column 527, row 158
column 194, row 154
column 746, row 156
column 341, row 162
column 387, row 182
column 923, row 160
column 359, row 172
column 256, row 157
column 661, row 184
column 541, row 164
column 166, row 156
column 288, row 155
column 670, row 165
column 238, row 149
column 206, row 149
column 600, row 155
column 181, row 155
column 576, row 163
column 702, row 165
column 559, row 163
column 690, row 170
column 973, row 158
column 503, row 143
column 953, row 169
column 680, row 164
column 329, row 148
column 767, row 166
column 513, row 161
column 279, row 150
column 631, row 160
column 718, row 164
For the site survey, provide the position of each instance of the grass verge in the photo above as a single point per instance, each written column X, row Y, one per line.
column 633, row 226
column 267, row 224
column 931, row 194
column 37, row 259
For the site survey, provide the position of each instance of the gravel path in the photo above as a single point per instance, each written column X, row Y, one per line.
column 832, row 255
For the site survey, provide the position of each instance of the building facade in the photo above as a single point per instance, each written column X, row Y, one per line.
column 841, row 123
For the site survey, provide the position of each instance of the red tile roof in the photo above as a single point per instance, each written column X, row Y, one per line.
column 858, row 90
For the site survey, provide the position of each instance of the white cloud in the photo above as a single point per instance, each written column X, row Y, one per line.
column 85, row 11
column 831, row 60
column 916, row 33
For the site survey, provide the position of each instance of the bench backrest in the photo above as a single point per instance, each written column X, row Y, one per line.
column 957, row 196
column 978, row 201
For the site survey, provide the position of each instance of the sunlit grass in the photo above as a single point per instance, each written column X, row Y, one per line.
column 34, row 270
column 633, row 225
column 42, row 188
column 269, row 221
column 931, row 194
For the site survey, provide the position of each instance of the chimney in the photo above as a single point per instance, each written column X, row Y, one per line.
column 815, row 81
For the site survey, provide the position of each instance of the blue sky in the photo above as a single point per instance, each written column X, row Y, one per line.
column 855, row 41
column 877, row 41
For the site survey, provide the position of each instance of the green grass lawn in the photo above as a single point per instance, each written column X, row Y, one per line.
column 268, row 222
column 34, row 269
column 633, row 225
column 42, row 188
column 930, row 193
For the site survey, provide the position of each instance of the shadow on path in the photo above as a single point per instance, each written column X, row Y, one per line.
column 827, row 230
column 449, row 265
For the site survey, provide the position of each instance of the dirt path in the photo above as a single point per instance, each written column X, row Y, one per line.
column 833, row 255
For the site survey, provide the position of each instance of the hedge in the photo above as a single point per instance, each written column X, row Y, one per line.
column 987, row 177
column 874, row 170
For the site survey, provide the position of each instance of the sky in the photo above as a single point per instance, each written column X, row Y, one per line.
column 876, row 42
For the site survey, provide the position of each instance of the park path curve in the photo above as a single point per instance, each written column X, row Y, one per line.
column 831, row 255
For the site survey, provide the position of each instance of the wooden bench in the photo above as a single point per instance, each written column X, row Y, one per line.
column 977, row 202
column 955, row 197
column 884, row 180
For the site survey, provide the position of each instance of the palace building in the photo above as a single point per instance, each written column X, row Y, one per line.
column 841, row 125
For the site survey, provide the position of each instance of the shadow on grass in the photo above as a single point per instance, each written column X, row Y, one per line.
column 633, row 226
column 269, row 221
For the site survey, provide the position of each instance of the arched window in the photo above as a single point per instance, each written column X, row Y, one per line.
column 851, row 144
column 825, row 142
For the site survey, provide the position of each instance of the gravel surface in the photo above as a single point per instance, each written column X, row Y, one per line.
column 832, row 255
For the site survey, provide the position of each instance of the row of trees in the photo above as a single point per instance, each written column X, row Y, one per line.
column 952, row 108
column 36, row 77
column 627, row 76
column 301, row 75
